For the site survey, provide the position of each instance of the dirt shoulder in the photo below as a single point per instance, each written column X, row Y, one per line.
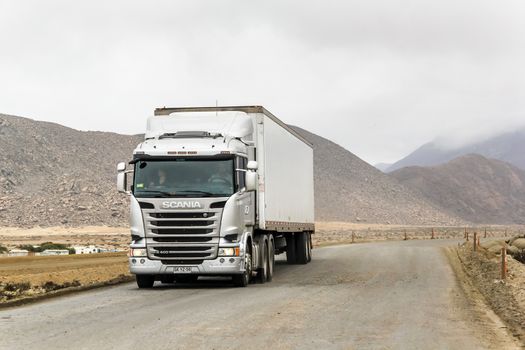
column 31, row 277
column 481, row 272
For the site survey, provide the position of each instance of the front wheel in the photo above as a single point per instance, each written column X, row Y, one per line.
column 145, row 281
column 243, row 279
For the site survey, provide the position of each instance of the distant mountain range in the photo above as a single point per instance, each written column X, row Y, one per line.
column 475, row 188
column 349, row 189
column 508, row 147
column 51, row 175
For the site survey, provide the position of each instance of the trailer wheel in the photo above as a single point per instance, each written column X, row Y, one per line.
column 301, row 247
column 145, row 281
column 290, row 249
column 271, row 259
column 243, row 279
column 309, row 240
column 262, row 273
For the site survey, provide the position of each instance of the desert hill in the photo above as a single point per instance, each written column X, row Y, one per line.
column 53, row 175
column 472, row 187
column 349, row 189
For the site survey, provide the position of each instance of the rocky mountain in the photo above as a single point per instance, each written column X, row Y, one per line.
column 472, row 187
column 349, row 189
column 507, row 147
column 53, row 175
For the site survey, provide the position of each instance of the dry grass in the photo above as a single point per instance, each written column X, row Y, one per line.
column 23, row 277
column 505, row 297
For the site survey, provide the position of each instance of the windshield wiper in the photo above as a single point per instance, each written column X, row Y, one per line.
column 196, row 191
column 159, row 193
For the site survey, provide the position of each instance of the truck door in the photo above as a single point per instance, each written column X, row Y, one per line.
column 245, row 201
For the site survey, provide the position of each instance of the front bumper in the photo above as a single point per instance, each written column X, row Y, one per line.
column 145, row 266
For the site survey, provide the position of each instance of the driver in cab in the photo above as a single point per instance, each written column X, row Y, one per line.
column 222, row 177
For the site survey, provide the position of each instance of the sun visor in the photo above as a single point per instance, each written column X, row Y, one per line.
column 233, row 124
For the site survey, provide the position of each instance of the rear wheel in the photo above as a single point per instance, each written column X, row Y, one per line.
column 309, row 237
column 301, row 247
column 290, row 249
column 145, row 281
column 271, row 259
column 262, row 272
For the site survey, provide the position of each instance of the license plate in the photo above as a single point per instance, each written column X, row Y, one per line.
column 182, row 269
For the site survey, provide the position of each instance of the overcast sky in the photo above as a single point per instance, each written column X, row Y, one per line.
column 378, row 77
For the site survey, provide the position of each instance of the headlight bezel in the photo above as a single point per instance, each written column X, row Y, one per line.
column 229, row 251
column 138, row 252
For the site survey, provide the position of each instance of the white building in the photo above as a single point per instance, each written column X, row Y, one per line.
column 55, row 252
column 87, row 249
column 18, row 252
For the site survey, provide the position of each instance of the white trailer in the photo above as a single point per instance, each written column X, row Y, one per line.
column 218, row 191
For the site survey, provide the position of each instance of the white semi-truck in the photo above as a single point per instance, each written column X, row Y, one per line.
column 218, row 191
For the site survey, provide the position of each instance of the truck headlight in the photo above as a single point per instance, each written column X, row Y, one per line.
column 235, row 251
column 138, row 252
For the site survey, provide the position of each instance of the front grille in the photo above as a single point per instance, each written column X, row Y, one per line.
column 182, row 239
column 182, row 236
column 191, row 215
column 182, row 223
column 181, row 231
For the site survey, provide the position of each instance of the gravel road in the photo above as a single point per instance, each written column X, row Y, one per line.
column 391, row 295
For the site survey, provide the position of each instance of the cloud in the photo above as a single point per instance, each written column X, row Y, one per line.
column 378, row 77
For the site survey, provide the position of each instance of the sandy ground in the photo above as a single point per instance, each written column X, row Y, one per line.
column 103, row 236
column 328, row 233
column 25, row 277
column 505, row 297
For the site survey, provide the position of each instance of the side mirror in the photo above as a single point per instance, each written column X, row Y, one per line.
column 121, row 166
column 251, row 181
column 252, row 165
column 122, row 178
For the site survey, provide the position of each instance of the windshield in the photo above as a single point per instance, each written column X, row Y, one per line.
column 184, row 178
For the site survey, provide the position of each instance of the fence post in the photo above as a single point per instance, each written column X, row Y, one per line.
column 503, row 263
column 475, row 241
column 405, row 235
column 432, row 233
column 467, row 236
column 485, row 236
column 353, row 237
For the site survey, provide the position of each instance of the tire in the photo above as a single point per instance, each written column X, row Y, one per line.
column 309, row 238
column 301, row 248
column 271, row 259
column 242, row 280
column 290, row 249
column 145, row 281
column 186, row 278
column 262, row 273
